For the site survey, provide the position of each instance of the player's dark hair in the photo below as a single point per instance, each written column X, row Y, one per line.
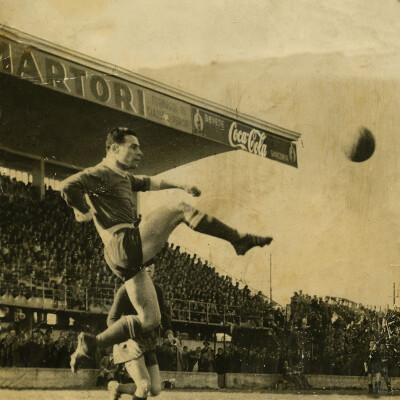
column 117, row 135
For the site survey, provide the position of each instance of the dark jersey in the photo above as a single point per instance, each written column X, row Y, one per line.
column 107, row 192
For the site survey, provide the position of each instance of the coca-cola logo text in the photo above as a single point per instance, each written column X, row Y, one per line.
column 252, row 141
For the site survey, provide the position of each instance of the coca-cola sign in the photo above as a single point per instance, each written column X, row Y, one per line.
column 236, row 134
column 251, row 140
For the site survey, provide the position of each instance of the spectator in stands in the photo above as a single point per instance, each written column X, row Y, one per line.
column 3, row 352
column 108, row 370
column 220, row 367
column 194, row 358
column 204, row 362
column 185, row 359
column 233, row 358
column 295, row 376
column 61, row 352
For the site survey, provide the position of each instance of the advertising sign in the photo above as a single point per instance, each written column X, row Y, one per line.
column 71, row 78
column 244, row 137
column 167, row 111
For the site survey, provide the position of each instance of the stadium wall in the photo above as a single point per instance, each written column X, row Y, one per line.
column 45, row 378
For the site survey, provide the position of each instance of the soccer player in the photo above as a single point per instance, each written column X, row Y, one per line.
column 143, row 370
column 104, row 193
column 385, row 366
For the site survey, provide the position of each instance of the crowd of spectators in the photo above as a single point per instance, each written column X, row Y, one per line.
column 232, row 358
column 44, row 250
column 195, row 290
column 40, row 241
column 332, row 335
column 315, row 336
column 52, row 349
column 45, row 253
column 36, row 348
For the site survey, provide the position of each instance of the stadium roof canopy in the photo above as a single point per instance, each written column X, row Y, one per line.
column 57, row 105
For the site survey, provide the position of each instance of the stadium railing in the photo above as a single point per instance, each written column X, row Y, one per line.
column 98, row 299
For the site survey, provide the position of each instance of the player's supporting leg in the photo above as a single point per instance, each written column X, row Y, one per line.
column 157, row 227
column 143, row 296
column 138, row 371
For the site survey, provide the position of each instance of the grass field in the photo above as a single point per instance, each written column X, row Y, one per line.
column 181, row 395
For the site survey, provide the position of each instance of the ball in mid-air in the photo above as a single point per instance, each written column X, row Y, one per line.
column 360, row 146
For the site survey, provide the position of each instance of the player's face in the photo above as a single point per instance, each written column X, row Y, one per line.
column 129, row 153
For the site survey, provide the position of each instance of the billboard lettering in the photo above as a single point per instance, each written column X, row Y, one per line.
column 76, row 79
column 69, row 77
column 244, row 137
column 168, row 111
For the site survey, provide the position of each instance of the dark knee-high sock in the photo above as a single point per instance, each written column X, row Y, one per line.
column 209, row 225
column 118, row 332
column 138, row 398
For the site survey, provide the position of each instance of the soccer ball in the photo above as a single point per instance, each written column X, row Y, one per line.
column 360, row 146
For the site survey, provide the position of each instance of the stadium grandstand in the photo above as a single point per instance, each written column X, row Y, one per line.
column 54, row 281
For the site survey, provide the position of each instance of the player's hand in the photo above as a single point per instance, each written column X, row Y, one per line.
column 193, row 190
column 80, row 217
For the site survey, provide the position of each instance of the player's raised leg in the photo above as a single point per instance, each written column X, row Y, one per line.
column 157, row 227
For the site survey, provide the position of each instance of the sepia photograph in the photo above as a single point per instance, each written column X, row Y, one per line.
column 199, row 199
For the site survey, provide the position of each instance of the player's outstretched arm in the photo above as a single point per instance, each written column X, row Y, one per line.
column 162, row 184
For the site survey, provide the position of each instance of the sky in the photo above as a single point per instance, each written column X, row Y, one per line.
column 137, row 34
column 320, row 68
